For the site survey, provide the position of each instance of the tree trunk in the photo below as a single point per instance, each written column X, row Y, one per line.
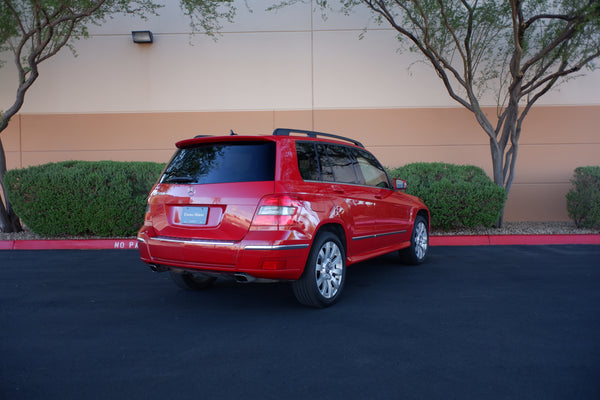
column 9, row 221
column 497, row 162
column 498, row 172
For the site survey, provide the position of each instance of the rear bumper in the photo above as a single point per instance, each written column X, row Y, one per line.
column 268, row 259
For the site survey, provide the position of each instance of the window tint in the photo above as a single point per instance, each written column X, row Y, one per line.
column 222, row 162
column 307, row 161
column 373, row 173
column 341, row 163
column 327, row 162
column 324, row 164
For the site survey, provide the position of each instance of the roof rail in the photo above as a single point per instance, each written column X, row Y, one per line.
column 286, row 132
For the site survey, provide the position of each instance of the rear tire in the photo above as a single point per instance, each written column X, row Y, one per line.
column 419, row 243
column 190, row 281
column 324, row 274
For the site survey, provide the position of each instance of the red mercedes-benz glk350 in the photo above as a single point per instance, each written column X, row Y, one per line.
column 296, row 205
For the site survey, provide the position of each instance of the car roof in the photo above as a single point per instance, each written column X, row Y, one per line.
column 278, row 134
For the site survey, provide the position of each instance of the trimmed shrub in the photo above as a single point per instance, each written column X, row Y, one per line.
column 458, row 196
column 583, row 200
column 82, row 198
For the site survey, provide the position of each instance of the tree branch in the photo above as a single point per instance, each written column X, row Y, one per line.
column 381, row 9
column 15, row 15
column 562, row 72
column 538, row 17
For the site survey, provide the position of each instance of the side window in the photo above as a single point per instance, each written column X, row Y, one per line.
column 324, row 163
column 372, row 171
column 307, row 161
column 328, row 163
column 342, row 164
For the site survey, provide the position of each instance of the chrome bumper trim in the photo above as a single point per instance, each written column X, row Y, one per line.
column 192, row 241
column 278, row 247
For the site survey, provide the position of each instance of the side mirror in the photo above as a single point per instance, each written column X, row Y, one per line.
column 399, row 184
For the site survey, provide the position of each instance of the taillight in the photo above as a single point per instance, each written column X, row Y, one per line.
column 147, row 216
column 276, row 211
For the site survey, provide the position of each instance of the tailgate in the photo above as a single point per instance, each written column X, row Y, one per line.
column 220, row 211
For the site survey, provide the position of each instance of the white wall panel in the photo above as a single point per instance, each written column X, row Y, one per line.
column 370, row 73
column 240, row 71
column 583, row 90
column 359, row 19
column 263, row 61
column 8, row 81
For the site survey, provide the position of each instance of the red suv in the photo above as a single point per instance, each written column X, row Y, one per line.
column 297, row 205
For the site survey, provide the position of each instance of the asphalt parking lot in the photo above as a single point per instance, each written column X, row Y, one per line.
column 492, row 322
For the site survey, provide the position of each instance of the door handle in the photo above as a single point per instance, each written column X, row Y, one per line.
column 337, row 189
column 378, row 196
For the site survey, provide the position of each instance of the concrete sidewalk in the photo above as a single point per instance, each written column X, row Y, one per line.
column 450, row 240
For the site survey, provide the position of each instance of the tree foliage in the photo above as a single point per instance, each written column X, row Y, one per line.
column 32, row 31
column 513, row 50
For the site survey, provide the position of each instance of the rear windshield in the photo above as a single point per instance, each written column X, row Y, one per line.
column 221, row 163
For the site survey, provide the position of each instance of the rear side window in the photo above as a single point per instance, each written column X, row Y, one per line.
column 326, row 162
column 222, row 163
column 308, row 164
column 341, row 164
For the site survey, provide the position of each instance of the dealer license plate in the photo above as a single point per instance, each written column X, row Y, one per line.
column 194, row 215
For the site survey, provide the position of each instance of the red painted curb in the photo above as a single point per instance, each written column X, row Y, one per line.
column 503, row 240
column 482, row 240
column 78, row 244
column 543, row 239
column 6, row 244
column 459, row 240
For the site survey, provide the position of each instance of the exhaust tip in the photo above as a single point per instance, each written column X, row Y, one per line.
column 242, row 278
column 245, row 278
column 157, row 268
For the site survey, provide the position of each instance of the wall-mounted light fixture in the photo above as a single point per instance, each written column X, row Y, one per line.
column 141, row 36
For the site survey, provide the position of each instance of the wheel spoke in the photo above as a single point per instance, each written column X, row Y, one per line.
column 335, row 258
column 320, row 260
column 320, row 279
column 335, row 283
column 326, row 251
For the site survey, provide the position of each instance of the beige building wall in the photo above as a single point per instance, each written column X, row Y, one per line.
column 122, row 101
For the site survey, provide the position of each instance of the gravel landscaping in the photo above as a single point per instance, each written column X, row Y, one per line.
column 29, row 235
column 510, row 228
column 525, row 228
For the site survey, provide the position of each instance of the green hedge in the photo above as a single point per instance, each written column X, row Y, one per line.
column 458, row 196
column 82, row 198
column 583, row 200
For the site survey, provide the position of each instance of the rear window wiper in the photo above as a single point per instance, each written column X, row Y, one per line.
column 179, row 179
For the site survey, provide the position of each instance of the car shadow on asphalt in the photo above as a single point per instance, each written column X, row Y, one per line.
column 385, row 272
